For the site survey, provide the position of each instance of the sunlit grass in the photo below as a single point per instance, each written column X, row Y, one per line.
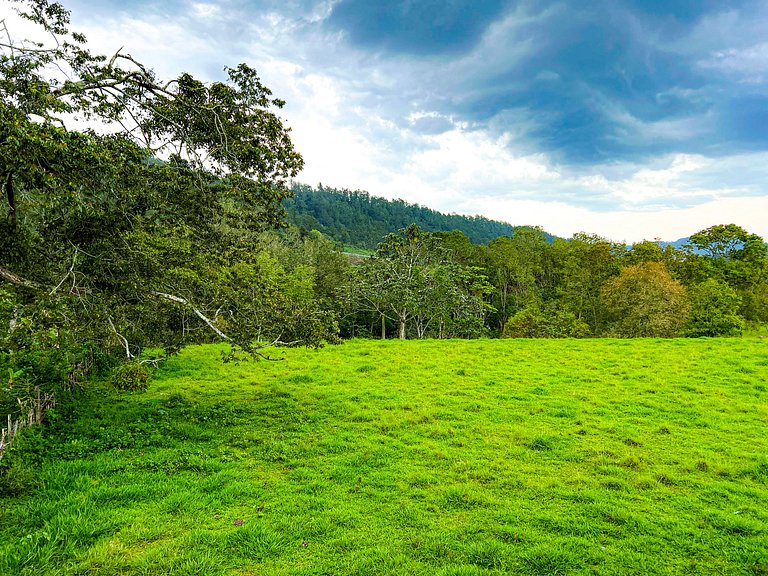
column 453, row 458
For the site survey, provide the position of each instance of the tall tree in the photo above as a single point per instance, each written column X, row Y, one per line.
column 132, row 232
column 644, row 300
column 714, row 310
column 412, row 281
column 730, row 253
column 587, row 261
column 517, row 270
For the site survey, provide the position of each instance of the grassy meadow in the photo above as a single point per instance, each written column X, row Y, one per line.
column 460, row 458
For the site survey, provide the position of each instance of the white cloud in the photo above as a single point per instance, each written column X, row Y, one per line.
column 647, row 186
column 471, row 160
column 153, row 42
column 205, row 9
column 731, row 41
column 749, row 65
column 628, row 226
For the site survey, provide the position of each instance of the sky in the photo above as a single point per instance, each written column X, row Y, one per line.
column 631, row 119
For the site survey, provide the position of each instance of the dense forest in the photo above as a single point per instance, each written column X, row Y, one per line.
column 106, row 252
column 361, row 220
column 443, row 285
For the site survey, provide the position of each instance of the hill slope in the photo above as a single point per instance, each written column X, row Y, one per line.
column 359, row 219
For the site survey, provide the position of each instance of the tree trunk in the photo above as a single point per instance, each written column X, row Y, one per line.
column 11, row 197
column 421, row 327
column 401, row 329
column 503, row 317
column 383, row 327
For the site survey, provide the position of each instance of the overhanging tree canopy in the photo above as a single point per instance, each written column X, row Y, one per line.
column 137, row 229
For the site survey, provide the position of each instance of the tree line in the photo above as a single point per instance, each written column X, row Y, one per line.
column 420, row 284
column 145, row 228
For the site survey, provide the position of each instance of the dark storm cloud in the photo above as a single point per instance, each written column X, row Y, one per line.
column 602, row 81
column 416, row 27
column 604, row 105
column 608, row 79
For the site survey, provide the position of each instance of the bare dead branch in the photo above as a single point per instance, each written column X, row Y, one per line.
column 114, row 57
column 122, row 338
column 203, row 317
column 69, row 272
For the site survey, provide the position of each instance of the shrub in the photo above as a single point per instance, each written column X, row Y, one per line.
column 15, row 480
column 533, row 322
column 134, row 377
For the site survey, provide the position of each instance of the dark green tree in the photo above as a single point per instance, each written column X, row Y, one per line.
column 517, row 270
column 714, row 310
column 586, row 262
column 141, row 230
column 550, row 322
column 412, row 282
column 729, row 253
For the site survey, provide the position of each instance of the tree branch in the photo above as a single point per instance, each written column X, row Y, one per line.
column 9, row 276
column 70, row 271
column 203, row 317
column 11, row 197
column 123, row 338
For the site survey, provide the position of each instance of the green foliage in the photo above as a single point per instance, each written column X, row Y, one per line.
column 534, row 322
column 727, row 253
column 413, row 281
column 587, row 262
column 19, row 467
column 104, row 249
column 131, row 377
column 714, row 310
column 755, row 299
column 644, row 251
column 359, row 219
column 729, row 242
column 645, row 301
column 518, row 270
column 15, row 478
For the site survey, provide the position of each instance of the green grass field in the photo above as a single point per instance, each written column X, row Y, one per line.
column 454, row 458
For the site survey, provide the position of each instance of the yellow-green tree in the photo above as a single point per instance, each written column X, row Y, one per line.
column 644, row 301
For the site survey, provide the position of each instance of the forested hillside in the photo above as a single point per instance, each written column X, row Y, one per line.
column 359, row 219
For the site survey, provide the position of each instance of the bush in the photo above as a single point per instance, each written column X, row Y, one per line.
column 532, row 322
column 644, row 301
column 133, row 377
column 22, row 456
column 15, row 480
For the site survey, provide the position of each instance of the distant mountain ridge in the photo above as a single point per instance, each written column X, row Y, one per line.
column 679, row 243
column 359, row 219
